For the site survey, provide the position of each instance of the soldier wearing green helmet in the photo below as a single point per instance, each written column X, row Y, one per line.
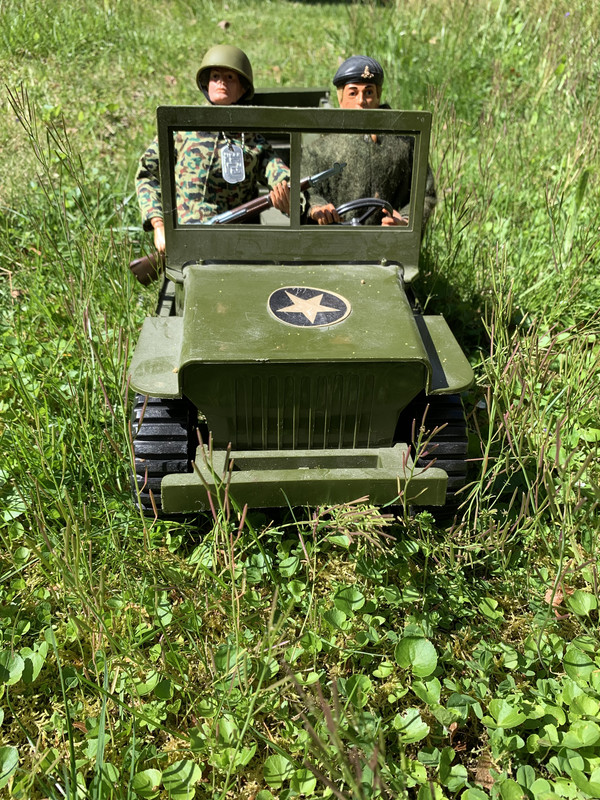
column 226, row 57
column 378, row 166
column 214, row 172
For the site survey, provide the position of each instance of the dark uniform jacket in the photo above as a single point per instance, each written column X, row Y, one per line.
column 381, row 168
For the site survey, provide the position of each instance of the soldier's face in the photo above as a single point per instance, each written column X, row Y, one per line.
column 359, row 95
column 224, row 87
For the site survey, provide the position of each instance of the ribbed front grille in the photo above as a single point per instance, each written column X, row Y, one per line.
column 303, row 411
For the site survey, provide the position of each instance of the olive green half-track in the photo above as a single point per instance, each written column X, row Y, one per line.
column 315, row 377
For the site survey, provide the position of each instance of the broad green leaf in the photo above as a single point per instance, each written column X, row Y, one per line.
column 446, row 759
column 489, row 608
column 341, row 539
column 416, row 770
column 244, row 756
column 526, row 775
column 589, row 787
column 585, row 706
column 306, row 679
column 163, row 609
column 445, row 716
column 164, row 689
column 474, row 794
column 416, row 653
column 577, row 664
column 349, row 599
column 582, row 733
column 185, row 793
column 311, row 643
column 11, row 667
column 297, row 589
column 550, row 736
column 21, row 555
column 229, row 658
column 146, row 686
column 505, row 715
column 510, row 790
column 570, row 690
column 289, row 566
column 590, row 434
column 146, row 783
column 206, row 707
column 458, row 778
column 582, row 603
column 277, row 769
column 540, row 788
column 33, row 661
column 430, row 756
column 428, row 691
column 303, row 782
column 357, row 690
column 14, row 507
column 430, row 791
column 384, row 670
column 462, row 703
column 9, row 758
column 336, row 619
column 104, row 780
column 410, row 726
column 514, row 743
column 568, row 760
column 181, row 776
column 227, row 729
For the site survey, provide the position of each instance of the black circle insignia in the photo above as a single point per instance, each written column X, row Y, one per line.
column 307, row 307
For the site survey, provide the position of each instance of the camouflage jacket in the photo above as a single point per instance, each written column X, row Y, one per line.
column 374, row 169
column 201, row 189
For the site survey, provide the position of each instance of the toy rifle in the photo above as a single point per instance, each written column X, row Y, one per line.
column 247, row 210
column 147, row 268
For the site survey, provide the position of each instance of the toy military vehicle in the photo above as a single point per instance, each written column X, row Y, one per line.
column 286, row 359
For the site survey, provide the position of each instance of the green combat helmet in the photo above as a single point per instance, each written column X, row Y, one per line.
column 229, row 57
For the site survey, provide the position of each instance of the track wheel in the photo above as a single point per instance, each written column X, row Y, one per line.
column 436, row 429
column 164, row 442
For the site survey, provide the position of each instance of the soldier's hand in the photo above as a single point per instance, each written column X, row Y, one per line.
column 159, row 234
column 324, row 215
column 393, row 219
column 280, row 197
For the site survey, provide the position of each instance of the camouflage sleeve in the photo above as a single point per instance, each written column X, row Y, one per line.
column 272, row 168
column 147, row 186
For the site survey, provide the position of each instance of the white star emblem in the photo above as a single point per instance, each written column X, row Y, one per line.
column 310, row 308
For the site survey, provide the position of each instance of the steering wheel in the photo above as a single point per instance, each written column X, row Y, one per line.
column 371, row 206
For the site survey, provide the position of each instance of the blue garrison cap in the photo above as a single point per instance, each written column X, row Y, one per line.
column 359, row 69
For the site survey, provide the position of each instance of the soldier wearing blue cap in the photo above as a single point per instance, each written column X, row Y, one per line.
column 378, row 166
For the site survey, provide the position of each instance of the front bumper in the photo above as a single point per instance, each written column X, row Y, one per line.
column 278, row 478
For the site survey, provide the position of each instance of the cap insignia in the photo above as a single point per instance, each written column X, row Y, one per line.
column 367, row 73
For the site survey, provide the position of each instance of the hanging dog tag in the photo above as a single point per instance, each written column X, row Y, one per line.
column 232, row 163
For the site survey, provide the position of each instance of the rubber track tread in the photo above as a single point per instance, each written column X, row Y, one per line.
column 446, row 448
column 163, row 444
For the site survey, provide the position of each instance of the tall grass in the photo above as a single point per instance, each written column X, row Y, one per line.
column 335, row 651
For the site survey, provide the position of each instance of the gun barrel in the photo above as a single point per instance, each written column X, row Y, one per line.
column 262, row 203
column 327, row 173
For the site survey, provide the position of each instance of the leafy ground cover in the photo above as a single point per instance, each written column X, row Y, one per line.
column 337, row 652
